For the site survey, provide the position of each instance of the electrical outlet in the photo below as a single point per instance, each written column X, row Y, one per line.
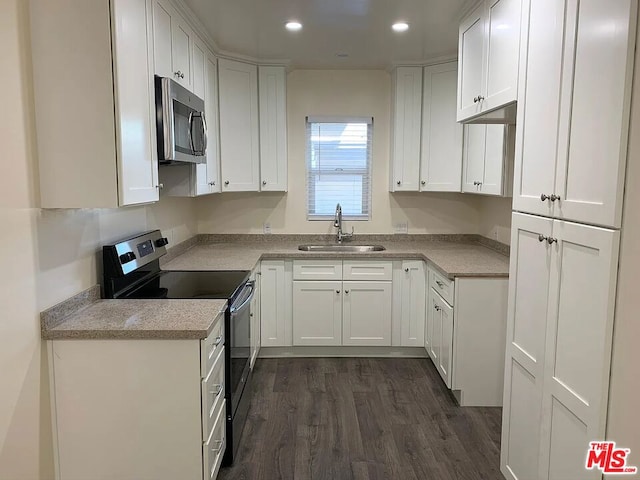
column 402, row 227
column 266, row 228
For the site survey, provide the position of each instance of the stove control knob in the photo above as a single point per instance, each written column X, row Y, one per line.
column 127, row 257
column 161, row 242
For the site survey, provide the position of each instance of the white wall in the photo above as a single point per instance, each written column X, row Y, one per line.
column 46, row 257
column 624, row 400
column 348, row 93
column 495, row 218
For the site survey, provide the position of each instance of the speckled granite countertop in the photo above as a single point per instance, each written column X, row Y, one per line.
column 136, row 319
column 460, row 257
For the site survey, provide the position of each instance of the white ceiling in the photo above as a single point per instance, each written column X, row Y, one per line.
column 360, row 28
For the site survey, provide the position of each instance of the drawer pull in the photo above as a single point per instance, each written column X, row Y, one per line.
column 217, row 341
column 218, row 446
column 216, row 391
column 439, row 283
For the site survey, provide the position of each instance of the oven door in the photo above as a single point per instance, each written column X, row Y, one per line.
column 239, row 346
column 181, row 124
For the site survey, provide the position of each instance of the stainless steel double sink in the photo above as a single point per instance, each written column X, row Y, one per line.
column 342, row 248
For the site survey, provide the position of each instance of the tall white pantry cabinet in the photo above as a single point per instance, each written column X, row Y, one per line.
column 567, row 200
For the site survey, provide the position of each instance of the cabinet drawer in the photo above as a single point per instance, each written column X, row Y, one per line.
column 442, row 285
column 213, row 448
column 212, row 394
column 365, row 270
column 317, row 270
column 211, row 345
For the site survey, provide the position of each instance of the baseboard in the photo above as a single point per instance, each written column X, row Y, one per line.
column 338, row 351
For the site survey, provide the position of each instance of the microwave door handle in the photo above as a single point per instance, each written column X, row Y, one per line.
column 200, row 151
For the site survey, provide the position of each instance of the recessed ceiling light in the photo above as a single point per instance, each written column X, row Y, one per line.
column 342, row 55
column 400, row 27
column 293, row 26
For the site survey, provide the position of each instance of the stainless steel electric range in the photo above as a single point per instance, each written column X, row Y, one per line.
column 132, row 270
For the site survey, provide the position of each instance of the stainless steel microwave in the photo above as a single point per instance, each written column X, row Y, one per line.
column 181, row 125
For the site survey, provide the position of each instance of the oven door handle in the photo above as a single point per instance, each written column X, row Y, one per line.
column 236, row 310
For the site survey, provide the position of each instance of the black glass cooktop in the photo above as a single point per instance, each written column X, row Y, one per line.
column 191, row 284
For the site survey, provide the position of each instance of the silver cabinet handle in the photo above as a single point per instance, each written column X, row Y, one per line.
column 551, row 240
column 218, row 448
column 346, row 292
column 475, row 100
column 264, row 182
column 480, row 98
column 541, row 238
column 398, row 182
column 217, row 341
column 226, row 182
column 337, row 291
column 212, row 184
column 437, row 308
column 160, row 186
column 439, row 283
column 544, row 197
column 423, row 182
column 179, row 74
column 406, row 270
column 553, row 197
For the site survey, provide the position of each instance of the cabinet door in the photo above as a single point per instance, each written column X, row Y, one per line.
column 473, row 157
column 471, row 44
column 366, row 311
column 239, row 139
column 530, row 264
column 445, row 361
column 592, row 147
column 181, row 41
column 414, row 288
column 162, row 54
column 275, row 303
column 254, row 331
column 134, row 94
column 198, row 61
column 578, row 347
column 211, row 169
column 317, row 313
column 407, row 113
column 503, row 50
column 538, row 106
column 495, row 160
column 273, row 129
column 441, row 151
column 435, row 326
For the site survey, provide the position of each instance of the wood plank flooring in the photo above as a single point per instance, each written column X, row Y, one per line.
column 362, row 419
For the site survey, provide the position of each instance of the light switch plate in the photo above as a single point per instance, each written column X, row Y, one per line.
column 266, row 228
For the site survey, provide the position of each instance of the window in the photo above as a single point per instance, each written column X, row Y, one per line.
column 339, row 167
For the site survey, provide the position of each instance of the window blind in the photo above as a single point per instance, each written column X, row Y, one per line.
column 339, row 167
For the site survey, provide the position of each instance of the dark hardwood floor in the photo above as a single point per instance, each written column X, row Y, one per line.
column 362, row 419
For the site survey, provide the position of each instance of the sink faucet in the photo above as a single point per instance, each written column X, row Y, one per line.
column 338, row 224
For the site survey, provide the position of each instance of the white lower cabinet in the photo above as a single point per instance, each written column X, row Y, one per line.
column 135, row 409
column 410, row 302
column 317, row 313
column 464, row 335
column 366, row 313
column 559, row 331
column 254, row 329
column 275, row 303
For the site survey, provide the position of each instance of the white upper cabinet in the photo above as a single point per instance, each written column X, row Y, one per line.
column 571, row 156
column 488, row 159
column 212, row 178
column 239, row 131
column 488, row 52
column 441, row 152
column 173, row 44
column 91, row 157
column 273, row 128
column 406, row 124
column 471, row 57
column 198, row 61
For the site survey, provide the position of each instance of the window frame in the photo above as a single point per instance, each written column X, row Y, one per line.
column 366, row 173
